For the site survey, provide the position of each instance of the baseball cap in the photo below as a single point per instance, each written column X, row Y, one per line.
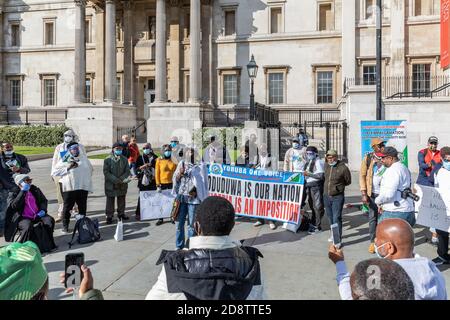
column 433, row 139
column 22, row 271
column 378, row 155
column 390, row 152
column 332, row 152
column 18, row 178
column 376, row 141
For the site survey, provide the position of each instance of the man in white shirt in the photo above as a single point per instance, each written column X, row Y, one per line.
column 440, row 178
column 215, row 152
column 395, row 241
column 294, row 157
column 396, row 179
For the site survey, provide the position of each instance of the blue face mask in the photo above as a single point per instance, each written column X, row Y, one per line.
column 147, row 151
column 446, row 165
column 173, row 144
column 118, row 152
column 296, row 145
column 167, row 154
column 333, row 163
column 310, row 156
column 25, row 186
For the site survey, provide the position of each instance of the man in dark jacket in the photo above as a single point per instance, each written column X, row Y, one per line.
column 27, row 206
column 337, row 177
column 428, row 159
column 215, row 267
column 117, row 173
column 11, row 163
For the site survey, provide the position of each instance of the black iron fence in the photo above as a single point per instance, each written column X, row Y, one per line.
column 324, row 135
column 28, row 117
column 401, row 87
column 298, row 117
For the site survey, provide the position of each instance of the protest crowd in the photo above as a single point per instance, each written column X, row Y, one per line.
column 206, row 262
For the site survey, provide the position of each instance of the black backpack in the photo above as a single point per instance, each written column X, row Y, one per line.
column 88, row 231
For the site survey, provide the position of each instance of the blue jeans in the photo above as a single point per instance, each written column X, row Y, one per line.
column 3, row 207
column 333, row 208
column 409, row 217
column 186, row 210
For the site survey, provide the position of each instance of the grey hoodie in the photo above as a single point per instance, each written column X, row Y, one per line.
column 429, row 284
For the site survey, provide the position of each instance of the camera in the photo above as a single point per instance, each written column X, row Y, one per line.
column 407, row 193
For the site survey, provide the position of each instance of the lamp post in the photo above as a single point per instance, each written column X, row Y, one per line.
column 252, row 69
column 379, row 27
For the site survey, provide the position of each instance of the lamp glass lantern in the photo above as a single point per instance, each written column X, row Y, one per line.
column 252, row 68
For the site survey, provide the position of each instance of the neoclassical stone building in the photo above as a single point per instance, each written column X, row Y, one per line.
column 177, row 55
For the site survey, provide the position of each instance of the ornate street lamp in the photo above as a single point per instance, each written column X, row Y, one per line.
column 252, row 69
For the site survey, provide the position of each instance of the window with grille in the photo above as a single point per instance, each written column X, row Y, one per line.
column 325, row 87
column 325, row 17
column 230, row 22
column 15, row 88
column 118, row 89
column 276, row 88
column 88, row 90
column 49, row 92
column 15, row 35
column 49, row 29
column 230, row 89
column 421, row 78
column 276, row 20
column 87, row 30
column 424, row 8
column 371, row 10
column 369, row 75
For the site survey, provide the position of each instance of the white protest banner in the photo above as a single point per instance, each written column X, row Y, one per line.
column 433, row 208
column 156, row 205
column 270, row 195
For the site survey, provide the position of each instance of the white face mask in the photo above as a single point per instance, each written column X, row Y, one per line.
column 9, row 153
column 68, row 139
column 378, row 252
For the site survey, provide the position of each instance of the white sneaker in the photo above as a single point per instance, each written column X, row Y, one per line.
column 330, row 239
column 272, row 226
column 258, row 223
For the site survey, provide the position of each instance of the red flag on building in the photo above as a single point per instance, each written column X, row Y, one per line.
column 445, row 34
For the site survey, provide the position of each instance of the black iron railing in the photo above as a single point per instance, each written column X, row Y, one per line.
column 28, row 117
column 403, row 87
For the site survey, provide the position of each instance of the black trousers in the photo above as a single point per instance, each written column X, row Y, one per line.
column 25, row 227
column 70, row 198
column 314, row 194
column 443, row 243
column 373, row 217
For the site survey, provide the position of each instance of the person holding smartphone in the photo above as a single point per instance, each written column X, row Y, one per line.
column 76, row 182
column 191, row 186
column 23, row 275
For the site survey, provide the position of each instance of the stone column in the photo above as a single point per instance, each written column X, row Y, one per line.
column 127, row 53
column 161, row 54
column 195, row 68
column 110, row 51
column 348, row 40
column 397, row 64
column 80, row 52
column 99, row 87
column 174, row 53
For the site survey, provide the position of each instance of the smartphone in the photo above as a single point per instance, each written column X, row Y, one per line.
column 335, row 234
column 73, row 273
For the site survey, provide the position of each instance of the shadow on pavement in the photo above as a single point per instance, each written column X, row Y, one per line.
column 281, row 236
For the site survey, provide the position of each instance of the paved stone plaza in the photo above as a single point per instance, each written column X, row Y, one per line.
column 295, row 266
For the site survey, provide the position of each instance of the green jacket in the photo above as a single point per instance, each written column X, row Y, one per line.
column 92, row 294
column 115, row 171
column 336, row 179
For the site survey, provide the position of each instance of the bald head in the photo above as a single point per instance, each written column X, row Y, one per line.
column 398, row 235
